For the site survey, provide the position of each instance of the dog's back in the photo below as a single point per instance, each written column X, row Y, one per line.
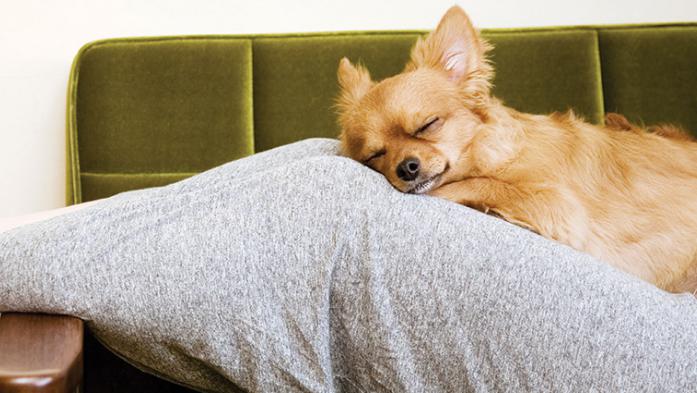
column 623, row 193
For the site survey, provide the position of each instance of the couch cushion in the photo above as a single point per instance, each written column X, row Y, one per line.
column 649, row 73
column 548, row 70
column 295, row 80
column 171, row 106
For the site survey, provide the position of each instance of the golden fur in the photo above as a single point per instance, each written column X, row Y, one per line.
column 620, row 193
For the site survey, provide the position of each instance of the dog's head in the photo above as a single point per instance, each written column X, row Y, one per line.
column 415, row 126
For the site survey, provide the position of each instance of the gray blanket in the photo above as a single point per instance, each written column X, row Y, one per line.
column 296, row 270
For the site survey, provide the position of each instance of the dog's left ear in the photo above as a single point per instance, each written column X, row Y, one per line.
column 354, row 83
column 455, row 48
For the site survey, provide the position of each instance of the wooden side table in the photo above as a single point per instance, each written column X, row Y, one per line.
column 40, row 353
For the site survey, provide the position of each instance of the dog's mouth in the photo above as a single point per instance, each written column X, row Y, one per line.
column 425, row 185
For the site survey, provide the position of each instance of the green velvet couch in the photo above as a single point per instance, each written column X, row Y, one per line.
column 146, row 112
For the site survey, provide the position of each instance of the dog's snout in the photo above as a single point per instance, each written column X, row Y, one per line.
column 408, row 169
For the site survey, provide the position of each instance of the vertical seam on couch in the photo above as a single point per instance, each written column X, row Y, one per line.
column 253, row 40
column 252, row 120
column 599, row 67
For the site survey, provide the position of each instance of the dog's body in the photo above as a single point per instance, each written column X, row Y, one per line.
column 627, row 198
column 620, row 193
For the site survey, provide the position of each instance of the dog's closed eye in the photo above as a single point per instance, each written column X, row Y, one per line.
column 375, row 155
column 429, row 125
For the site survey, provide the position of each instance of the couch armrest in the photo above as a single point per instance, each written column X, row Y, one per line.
column 40, row 353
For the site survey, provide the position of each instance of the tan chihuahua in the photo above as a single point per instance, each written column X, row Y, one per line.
column 620, row 193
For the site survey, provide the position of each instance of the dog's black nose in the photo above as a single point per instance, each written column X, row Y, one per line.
column 408, row 169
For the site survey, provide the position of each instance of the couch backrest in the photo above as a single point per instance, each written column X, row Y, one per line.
column 145, row 112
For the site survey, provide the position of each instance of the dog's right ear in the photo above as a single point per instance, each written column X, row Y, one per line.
column 456, row 49
column 354, row 82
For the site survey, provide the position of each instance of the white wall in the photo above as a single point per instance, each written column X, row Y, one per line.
column 38, row 40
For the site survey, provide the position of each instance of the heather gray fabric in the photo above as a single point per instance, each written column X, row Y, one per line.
column 294, row 270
